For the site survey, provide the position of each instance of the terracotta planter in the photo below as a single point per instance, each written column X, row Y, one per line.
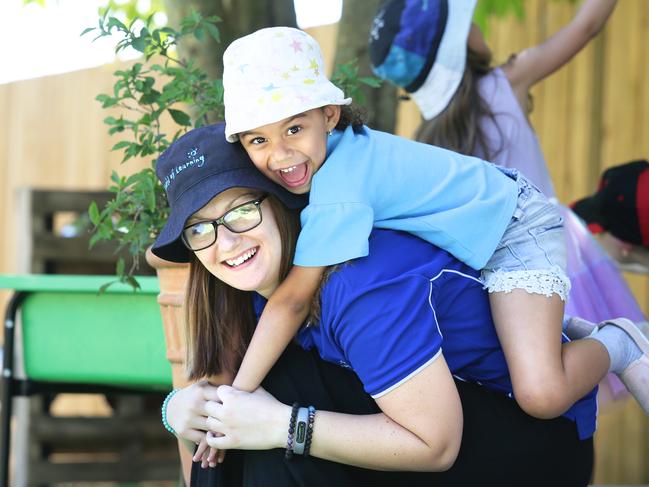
column 173, row 280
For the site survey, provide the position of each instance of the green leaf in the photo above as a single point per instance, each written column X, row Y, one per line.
column 93, row 213
column 149, row 98
column 106, row 101
column 104, row 287
column 370, row 81
column 96, row 237
column 213, row 31
column 181, row 118
column 139, row 43
column 86, row 30
column 131, row 281
column 115, row 22
column 119, row 268
column 121, row 145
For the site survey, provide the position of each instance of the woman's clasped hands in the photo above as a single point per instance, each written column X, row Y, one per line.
column 246, row 420
column 219, row 418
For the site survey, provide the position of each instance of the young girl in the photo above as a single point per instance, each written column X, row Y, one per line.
column 287, row 116
column 484, row 113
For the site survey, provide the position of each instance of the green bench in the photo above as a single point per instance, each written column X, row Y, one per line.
column 74, row 339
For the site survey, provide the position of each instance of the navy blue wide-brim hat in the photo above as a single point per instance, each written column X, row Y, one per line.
column 197, row 167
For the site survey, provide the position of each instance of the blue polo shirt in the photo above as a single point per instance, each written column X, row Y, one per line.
column 390, row 314
column 374, row 179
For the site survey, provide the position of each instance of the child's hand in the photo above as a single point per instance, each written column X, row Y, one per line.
column 211, row 458
column 201, row 451
column 216, row 456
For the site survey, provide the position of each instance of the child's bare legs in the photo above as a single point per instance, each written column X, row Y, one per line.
column 547, row 377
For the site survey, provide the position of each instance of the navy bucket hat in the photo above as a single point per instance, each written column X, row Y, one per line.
column 420, row 46
column 194, row 169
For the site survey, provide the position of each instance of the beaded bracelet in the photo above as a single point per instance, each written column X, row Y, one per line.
column 309, row 431
column 291, row 431
column 165, row 403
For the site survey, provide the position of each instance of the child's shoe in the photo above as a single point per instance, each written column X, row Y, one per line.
column 636, row 375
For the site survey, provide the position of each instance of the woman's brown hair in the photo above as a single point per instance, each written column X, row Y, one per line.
column 220, row 319
column 458, row 127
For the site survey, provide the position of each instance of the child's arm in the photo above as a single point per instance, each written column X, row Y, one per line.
column 285, row 312
column 536, row 63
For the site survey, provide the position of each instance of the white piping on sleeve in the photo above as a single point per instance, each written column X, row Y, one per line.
column 430, row 303
column 406, row 378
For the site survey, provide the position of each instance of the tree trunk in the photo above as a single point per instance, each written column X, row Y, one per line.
column 238, row 17
column 353, row 35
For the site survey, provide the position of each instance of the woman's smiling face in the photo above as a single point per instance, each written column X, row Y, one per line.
column 248, row 261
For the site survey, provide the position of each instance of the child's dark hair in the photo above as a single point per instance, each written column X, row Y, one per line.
column 458, row 127
column 353, row 115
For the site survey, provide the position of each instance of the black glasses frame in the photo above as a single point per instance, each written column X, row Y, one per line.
column 221, row 221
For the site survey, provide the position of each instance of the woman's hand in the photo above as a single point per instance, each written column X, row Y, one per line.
column 186, row 414
column 186, row 411
column 247, row 420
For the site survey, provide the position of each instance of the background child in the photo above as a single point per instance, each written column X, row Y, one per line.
column 475, row 109
column 281, row 107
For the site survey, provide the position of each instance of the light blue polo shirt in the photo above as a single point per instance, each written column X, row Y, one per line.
column 374, row 179
column 390, row 314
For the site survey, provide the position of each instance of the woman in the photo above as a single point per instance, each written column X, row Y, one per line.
column 384, row 316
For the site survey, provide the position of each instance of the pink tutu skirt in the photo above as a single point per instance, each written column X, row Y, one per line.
column 599, row 291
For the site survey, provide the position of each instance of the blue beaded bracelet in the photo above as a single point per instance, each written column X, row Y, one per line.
column 309, row 432
column 165, row 403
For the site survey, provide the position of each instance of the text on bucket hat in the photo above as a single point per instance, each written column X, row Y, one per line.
column 420, row 45
column 273, row 74
column 194, row 169
column 620, row 205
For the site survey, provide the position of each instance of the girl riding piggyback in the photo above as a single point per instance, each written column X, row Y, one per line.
column 300, row 131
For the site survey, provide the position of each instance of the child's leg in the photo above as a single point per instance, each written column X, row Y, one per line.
column 547, row 377
column 528, row 287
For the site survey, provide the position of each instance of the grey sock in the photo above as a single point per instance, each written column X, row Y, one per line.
column 576, row 328
column 620, row 346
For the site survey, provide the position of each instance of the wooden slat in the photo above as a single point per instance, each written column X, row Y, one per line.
column 113, row 429
column 122, row 471
column 48, row 201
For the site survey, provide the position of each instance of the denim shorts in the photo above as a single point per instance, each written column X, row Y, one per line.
column 532, row 252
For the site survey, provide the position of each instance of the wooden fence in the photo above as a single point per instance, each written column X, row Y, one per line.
column 592, row 114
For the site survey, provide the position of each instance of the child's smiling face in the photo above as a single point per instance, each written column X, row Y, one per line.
column 292, row 150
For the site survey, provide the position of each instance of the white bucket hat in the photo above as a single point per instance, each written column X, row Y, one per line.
column 421, row 47
column 272, row 74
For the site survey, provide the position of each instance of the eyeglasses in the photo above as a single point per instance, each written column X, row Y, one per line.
column 240, row 219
